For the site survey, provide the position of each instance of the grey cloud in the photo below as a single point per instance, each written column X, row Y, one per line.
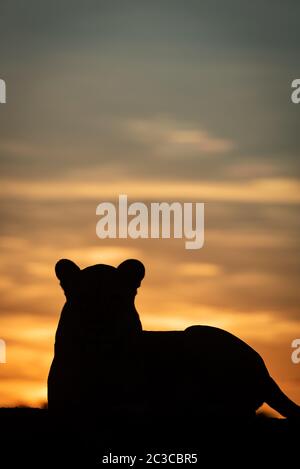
column 74, row 77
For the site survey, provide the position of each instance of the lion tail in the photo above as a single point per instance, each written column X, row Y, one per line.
column 276, row 399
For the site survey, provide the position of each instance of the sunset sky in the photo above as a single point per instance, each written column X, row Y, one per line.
column 162, row 101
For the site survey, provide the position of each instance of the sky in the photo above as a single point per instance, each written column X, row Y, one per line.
column 162, row 101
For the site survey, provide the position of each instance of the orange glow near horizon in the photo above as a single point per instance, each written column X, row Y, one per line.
column 30, row 337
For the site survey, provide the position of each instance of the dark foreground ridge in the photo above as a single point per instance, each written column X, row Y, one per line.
column 33, row 437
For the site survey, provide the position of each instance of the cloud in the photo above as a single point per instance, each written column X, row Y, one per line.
column 192, row 269
column 109, row 254
column 261, row 191
column 170, row 138
column 261, row 326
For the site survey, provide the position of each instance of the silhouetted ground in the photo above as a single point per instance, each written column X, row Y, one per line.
column 32, row 437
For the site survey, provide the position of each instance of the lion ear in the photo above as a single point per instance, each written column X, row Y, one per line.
column 66, row 270
column 133, row 271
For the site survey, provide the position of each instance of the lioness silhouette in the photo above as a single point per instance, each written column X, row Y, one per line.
column 103, row 356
